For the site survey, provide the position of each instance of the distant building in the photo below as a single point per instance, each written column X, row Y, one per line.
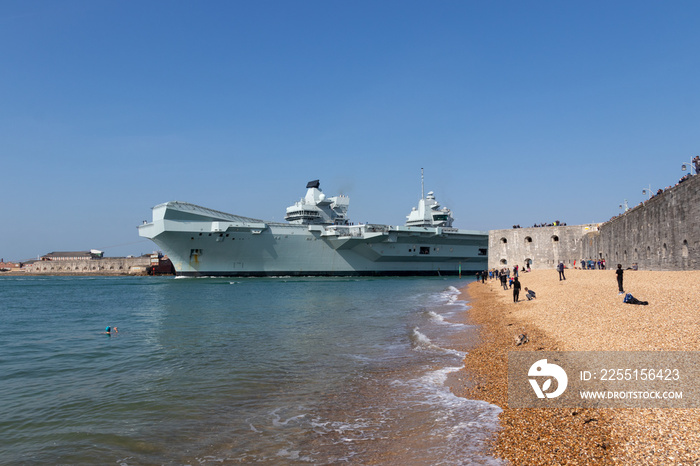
column 9, row 266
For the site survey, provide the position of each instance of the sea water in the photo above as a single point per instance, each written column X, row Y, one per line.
column 256, row 370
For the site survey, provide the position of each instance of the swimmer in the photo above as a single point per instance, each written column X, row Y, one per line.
column 110, row 330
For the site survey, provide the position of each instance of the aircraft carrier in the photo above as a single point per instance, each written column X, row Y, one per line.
column 317, row 239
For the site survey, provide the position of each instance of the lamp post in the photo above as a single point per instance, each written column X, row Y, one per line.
column 689, row 166
column 647, row 191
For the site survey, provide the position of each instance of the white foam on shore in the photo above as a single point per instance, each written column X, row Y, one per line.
column 440, row 319
column 460, row 428
column 420, row 342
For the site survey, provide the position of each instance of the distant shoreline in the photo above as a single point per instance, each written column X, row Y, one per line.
column 74, row 274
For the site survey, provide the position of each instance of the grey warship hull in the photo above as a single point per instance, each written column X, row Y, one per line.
column 205, row 242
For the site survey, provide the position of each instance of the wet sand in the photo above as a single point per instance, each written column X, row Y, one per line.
column 585, row 313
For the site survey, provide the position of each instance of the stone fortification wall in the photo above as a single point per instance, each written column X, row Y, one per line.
column 661, row 234
column 107, row 266
column 542, row 247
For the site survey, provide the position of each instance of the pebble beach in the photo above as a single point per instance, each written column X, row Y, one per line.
column 585, row 313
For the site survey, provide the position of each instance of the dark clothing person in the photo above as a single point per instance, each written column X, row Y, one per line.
column 516, row 289
column 629, row 299
column 619, row 273
column 560, row 269
column 530, row 295
column 504, row 280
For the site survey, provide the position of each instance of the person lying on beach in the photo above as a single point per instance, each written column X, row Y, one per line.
column 530, row 294
column 629, row 299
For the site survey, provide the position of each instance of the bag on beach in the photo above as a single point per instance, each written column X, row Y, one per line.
column 629, row 299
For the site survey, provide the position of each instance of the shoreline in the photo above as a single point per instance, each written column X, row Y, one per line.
column 583, row 313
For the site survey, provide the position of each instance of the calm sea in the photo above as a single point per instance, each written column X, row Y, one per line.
column 211, row 371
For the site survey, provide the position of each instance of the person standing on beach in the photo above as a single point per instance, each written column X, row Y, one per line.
column 619, row 273
column 516, row 289
column 560, row 269
column 504, row 279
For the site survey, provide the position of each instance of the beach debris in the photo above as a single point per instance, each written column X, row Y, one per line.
column 521, row 339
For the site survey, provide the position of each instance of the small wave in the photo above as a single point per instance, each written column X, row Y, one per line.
column 420, row 342
column 294, row 455
column 210, row 459
column 436, row 317
column 277, row 419
column 440, row 319
column 358, row 428
column 451, row 295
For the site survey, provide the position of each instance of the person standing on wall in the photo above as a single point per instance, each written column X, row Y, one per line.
column 619, row 273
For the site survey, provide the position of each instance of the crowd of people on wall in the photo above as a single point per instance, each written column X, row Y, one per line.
column 555, row 223
column 686, row 177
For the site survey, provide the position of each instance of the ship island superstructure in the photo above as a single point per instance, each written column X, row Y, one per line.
column 317, row 239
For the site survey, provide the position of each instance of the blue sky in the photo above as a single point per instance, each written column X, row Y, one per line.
column 519, row 112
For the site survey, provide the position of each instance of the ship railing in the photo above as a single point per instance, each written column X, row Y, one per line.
column 356, row 231
column 374, row 228
column 345, row 230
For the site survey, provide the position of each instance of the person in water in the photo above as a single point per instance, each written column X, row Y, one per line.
column 111, row 330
